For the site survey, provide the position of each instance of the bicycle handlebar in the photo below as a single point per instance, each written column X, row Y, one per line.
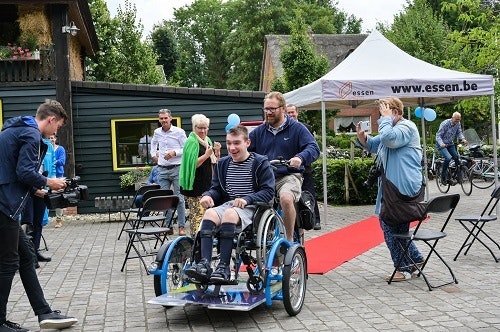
column 275, row 163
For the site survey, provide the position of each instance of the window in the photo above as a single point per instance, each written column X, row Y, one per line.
column 131, row 141
column 347, row 124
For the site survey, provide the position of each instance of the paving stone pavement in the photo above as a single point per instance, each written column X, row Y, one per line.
column 84, row 280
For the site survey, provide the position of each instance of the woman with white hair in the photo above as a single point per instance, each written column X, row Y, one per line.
column 198, row 157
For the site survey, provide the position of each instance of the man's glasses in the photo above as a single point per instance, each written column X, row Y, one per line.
column 270, row 109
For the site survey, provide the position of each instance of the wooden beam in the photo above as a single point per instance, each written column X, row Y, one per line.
column 59, row 18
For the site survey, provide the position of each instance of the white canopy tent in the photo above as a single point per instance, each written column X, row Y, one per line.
column 378, row 69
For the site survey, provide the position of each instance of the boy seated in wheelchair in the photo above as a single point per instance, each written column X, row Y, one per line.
column 240, row 180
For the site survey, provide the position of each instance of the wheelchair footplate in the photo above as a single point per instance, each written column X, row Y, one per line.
column 234, row 296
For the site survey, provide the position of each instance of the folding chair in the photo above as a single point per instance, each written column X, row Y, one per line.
column 440, row 204
column 133, row 209
column 155, row 218
column 144, row 235
column 477, row 222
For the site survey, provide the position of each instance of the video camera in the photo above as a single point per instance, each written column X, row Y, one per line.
column 70, row 196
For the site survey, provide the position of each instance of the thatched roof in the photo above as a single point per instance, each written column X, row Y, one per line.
column 334, row 47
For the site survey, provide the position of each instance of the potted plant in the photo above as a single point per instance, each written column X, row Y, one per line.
column 135, row 178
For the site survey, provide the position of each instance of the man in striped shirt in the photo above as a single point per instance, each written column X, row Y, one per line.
column 239, row 181
column 445, row 136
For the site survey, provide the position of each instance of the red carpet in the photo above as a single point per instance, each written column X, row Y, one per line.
column 328, row 251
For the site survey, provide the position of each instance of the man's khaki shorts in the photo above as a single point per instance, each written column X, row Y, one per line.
column 290, row 184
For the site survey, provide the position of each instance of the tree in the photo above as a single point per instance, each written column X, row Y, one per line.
column 202, row 30
column 221, row 42
column 475, row 48
column 123, row 57
column 257, row 18
column 301, row 66
column 165, row 46
column 420, row 32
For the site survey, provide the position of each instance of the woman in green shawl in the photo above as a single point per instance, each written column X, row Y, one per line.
column 198, row 157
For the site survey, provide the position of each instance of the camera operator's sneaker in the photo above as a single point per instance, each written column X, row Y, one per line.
column 12, row 327
column 200, row 272
column 221, row 273
column 54, row 320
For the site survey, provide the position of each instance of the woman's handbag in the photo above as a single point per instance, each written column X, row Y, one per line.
column 397, row 209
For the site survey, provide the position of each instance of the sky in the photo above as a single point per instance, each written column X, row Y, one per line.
column 151, row 12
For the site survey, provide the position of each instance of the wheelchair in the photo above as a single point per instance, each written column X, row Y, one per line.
column 265, row 267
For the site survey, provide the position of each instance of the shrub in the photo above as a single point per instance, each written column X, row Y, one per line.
column 336, row 179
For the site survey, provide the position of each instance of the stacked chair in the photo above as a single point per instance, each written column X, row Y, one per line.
column 131, row 212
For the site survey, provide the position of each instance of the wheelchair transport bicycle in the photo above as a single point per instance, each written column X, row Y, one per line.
column 264, row 267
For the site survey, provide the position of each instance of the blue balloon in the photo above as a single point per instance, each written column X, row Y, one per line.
column 418, row 112
column 229, row 126
column 233, row 119
column 429, row 114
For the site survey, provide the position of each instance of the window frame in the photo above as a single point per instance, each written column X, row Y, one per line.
column 114, row 123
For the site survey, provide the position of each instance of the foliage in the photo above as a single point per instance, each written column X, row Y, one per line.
column 130, row 178
column 221, row 42
column 301, row 64
column 336, row 188
column 475, row 48
column 202, row 31
column 165, row 46
column 457, row 34
column 420, row 32
column 123, row 57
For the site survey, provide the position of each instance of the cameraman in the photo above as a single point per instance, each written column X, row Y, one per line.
column 21, row 154
column 399, row 154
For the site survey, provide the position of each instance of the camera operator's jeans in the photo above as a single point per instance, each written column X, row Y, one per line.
column 17, row 253
column 449, row 152
column 166, row 179
column 395, row 248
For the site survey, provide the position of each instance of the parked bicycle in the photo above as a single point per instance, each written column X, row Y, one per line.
column 482, row 169
column 482, row 173
column 454, row 175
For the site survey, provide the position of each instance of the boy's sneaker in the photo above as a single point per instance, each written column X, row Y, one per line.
column 221, row 274
column 200, row 272
column 12, row 327
column 54, row 320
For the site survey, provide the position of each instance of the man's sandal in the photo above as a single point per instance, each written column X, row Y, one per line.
column 400, row 276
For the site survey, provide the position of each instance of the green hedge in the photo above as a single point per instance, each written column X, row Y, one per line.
column 336, row 188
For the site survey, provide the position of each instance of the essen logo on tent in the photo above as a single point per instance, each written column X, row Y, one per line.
column 434, row 88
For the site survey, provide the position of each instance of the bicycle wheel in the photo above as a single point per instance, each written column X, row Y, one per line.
column 271, row 228
column 443, row 187
column 482, row 176
column 465, row 181
column 294, row 282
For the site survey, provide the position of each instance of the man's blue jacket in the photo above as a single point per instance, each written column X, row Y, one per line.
column 294, row 140
column 21, row 155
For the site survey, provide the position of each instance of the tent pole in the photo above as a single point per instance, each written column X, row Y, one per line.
column 494, row 134
column 424, row 147
column 323, row 143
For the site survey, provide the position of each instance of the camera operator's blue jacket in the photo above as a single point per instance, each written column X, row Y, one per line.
column 21, row 155
column 263, row 182
column 292, row 140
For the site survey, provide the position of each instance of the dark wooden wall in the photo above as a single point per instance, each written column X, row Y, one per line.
column 95, row 104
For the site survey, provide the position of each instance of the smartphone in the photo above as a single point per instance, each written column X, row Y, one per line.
column 365, row 125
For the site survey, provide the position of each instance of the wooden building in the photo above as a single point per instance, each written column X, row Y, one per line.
column 107, row 120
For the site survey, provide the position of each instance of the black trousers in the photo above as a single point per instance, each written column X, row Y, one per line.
column 17, row 253
column 308, row 184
